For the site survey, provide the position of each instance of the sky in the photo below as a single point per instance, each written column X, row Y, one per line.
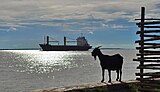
column 109, row 23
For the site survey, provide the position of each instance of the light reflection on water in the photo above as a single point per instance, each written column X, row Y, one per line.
column 25, row 70
column 45, row 62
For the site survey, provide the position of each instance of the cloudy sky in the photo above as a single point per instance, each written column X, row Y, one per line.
column 109, row 23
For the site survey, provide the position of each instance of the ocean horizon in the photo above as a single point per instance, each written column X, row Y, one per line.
column 40, row 48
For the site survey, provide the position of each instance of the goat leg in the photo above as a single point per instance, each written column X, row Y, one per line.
column 120, row 75
column 109, row 72
column 117, row 75
column 102, row 75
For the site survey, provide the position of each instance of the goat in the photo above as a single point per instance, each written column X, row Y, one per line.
column 113, row 62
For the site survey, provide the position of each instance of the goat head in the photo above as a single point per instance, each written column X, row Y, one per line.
column 94, row 55
column 94, row 52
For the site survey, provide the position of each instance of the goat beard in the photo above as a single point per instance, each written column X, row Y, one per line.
column 95, row 57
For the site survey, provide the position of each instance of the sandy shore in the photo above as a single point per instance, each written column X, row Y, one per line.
column 78, row 88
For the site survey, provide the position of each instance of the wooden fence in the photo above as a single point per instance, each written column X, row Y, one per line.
column 149, row 53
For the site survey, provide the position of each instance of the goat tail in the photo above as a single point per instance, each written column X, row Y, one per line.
column 121, row 58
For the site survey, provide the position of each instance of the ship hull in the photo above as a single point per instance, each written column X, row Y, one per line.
column 46, row 47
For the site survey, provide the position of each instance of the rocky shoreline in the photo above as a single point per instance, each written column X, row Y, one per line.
column 93, row 87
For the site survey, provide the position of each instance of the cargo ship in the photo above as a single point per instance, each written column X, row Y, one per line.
column 81, row 45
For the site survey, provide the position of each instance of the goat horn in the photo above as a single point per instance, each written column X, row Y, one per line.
column 98, row 46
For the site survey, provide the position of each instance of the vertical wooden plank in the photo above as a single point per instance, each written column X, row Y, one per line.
column 142, row 39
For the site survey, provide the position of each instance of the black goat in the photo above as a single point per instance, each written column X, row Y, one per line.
column 113, row 62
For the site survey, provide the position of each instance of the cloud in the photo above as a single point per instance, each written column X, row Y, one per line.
column 10, row 26
column 118, row 26
column 21, row 13
column 12, row 29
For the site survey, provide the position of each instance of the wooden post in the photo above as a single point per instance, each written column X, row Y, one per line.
column 142, row 39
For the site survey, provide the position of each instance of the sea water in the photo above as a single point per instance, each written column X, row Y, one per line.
column 26, row 70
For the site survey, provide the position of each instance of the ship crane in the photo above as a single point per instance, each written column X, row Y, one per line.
column 68, row 41
column 48, row 40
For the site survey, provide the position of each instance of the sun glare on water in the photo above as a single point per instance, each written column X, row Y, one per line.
column 43, row 61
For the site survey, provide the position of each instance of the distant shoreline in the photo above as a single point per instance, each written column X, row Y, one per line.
column 91, row 48
column 23, row 49
column 116, row 48
column 119, row 48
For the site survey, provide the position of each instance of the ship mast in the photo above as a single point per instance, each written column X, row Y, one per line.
column 64, row 41
column 47, row 40
column 81, row 34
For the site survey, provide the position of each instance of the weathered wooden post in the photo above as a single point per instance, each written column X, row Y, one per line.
column 142, row 40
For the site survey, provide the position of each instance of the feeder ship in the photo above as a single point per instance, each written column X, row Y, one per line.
column 81, row 45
